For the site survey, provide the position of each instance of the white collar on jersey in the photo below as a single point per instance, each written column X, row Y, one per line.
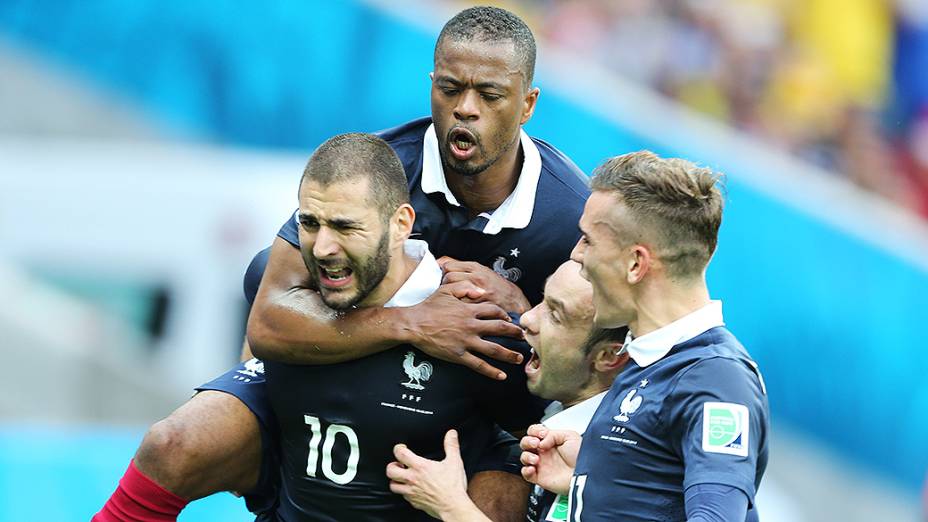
column 575, row 418
column 423, row 281
column 651, row 347
column 515, row 211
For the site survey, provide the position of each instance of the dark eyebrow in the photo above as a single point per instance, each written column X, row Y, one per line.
column 491, row 85
column 335, row 222
column 481, row 85
column 447, row 79
column 344, row 223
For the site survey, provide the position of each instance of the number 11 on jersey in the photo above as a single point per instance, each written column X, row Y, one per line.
column 575, row 501
column 328, row 441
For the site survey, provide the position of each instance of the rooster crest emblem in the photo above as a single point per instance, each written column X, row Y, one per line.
column 628, row 406
column 417, row 373
column 252, row 368
column 509, row 274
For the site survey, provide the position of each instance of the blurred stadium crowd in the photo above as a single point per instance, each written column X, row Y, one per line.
column 841, row 84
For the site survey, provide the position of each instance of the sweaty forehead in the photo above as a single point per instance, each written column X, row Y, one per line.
column 601, row 215
column 339, row 199
column 470, row 56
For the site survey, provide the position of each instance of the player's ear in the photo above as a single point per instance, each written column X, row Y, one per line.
column 638, row 263
column 432, row 76
column 528, row 104
column 402, row 221
column 609, row 357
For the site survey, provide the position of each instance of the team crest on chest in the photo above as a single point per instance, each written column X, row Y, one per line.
column 511, row 274
column 628, row 406
column 417, row 373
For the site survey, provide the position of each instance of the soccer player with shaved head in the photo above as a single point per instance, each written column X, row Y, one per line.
column 338, row 423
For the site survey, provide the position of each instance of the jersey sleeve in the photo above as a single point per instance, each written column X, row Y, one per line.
column 501, row 454
column 289, row 232
column 718, row 422
column 508, row 402
column 254, row 273
column 715, row 503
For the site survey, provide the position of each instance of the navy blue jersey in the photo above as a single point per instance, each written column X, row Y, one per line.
column 525, row 253
column 698, row 415
column 525, row 256
column 339, row 423
column 253, row 275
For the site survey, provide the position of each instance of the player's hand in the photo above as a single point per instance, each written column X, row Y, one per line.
column 436, row 487
column 449, row 328
column 549, row 457
column 465, row 291
column 496, row 289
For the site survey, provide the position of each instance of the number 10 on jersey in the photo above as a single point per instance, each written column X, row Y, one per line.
column 328, row 441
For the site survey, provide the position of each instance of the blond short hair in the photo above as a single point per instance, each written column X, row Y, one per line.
column 676, row 206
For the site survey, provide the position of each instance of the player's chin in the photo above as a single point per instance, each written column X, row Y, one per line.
column 469, row 167
column 338, row 298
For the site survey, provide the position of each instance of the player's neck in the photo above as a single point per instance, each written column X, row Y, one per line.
column 401, row 268
column 486, row 191
column 662, row 302
column 588, row 391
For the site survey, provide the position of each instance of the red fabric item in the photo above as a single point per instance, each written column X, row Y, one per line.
column 139, row 499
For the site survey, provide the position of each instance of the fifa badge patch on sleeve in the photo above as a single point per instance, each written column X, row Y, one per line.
column 725, row 428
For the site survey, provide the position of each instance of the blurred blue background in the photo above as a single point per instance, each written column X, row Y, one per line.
column 149, row 148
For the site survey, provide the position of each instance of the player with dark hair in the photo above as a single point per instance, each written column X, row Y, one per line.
column 572, row 363
column 339, row 422
column 682, row 433
column 490, row 24
column 501, row 206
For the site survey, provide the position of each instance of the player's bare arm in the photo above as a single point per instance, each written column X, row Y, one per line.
column 500, row 495
column 290, row 323
column 496, row 289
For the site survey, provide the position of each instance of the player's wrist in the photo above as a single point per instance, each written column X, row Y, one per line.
column 460, row 508
column 402, row 326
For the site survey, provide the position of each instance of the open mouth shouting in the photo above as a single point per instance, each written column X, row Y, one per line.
column 463, row 143
column 533, row 366
column 334, row 275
